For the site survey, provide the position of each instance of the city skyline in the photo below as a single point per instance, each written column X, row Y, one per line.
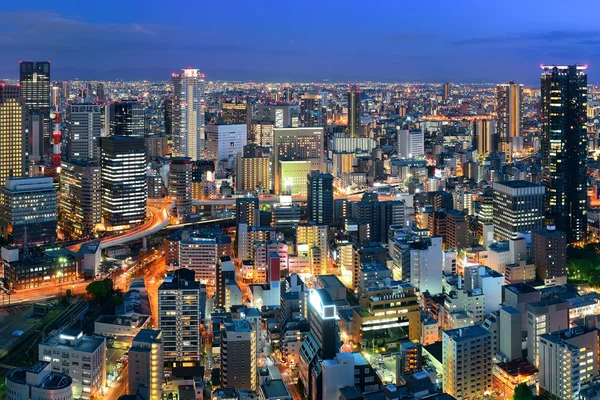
column 456, row 42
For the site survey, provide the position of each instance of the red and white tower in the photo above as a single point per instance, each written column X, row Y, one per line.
column 56, row 140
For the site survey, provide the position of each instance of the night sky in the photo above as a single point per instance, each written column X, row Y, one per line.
column 399, row 40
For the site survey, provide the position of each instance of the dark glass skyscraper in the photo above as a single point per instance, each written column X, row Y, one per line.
column 564, row 148
column 35, row 89
column 320, row 198
column 354, row 111
column 127, row 118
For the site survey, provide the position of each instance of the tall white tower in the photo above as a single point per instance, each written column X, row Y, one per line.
column 188, row 114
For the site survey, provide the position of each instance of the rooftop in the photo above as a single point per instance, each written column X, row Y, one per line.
column 148, row 336
column 274, row 388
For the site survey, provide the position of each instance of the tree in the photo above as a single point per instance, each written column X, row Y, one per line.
column 522, row 392
column 100, row 290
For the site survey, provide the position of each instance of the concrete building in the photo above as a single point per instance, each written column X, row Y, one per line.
column 123, row 181
column 146, row 364
column 281, row 115
column 179, row 313
column 29, row 204
column 456, row 230
column 253, row 174
column 379, row 215
column 548, row 253
column 544, row 317
column 84, row 127
column 293, row 177
column 81, row 357
column 238, row 355
column 312, row 242
column 38, row 382
column 510, row 334
column 411, row 144
column 518, row 207
column 225, row 141
column 180, row 186
column 80, row 208
column 121, row 329
column 489, row 281
column 467, row 362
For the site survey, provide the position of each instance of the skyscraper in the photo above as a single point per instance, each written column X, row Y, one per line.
column 485, row 131
column 320, row 198
column 146, row 364
column 446, row 91
column 13, row 141
column 180, row 185
column 123, row 180
column 127, row 118
column 311, row 109
column 188, row 114
column 510, row 115
column 35, row 89
column 84, row 127
column 518, row 207
column 238, row 355
column 564, row 148
column 354, row 111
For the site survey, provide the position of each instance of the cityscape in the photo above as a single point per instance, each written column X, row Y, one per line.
column 190, row 237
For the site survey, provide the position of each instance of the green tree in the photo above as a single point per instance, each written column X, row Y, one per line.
column 100, row 290
column 522, row 392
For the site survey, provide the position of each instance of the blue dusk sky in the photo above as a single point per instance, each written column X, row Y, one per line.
column 396, row 40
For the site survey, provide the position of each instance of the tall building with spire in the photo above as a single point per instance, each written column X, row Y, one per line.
column 188, row 114
column 354, row 111
column 564, row 148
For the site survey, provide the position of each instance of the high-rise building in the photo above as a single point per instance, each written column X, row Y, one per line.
column 297, row 144
column 457, row 231
column 35, row 90
column 38, row 382
column 485, row 133
column 320, row 198
column 179, row 316
column 312, row 243
column 13, row 129
column 84, row 127
column 123, row 180
column 467, row 362
column 80, row 207
column 100, row 95
column 446, row 91
column 234, row 113
column 548, row 253
column 225, row 141
column 238, row 355
column 543, row 317
column 518, row 207
column 282, row 115
column 411, row 143
column 29, row 208
column 146, row 364
column 354, row 111
column 127, row 118
column 168, row 116
column 311, row 110
column 180, row 185
column 379, row 215
column 188, row 114
column 564, row 148
column 509, row 97
column 253, row 173
column 247, row 211
column 80, row 356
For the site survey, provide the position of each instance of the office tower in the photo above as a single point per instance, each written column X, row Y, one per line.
column 69, row 351
column 253, row 174
column 225, row 141
column 446, row 91
column 409, row 358
column 100, row 95
column 312, row 243
column 518, row 207
column 38, row 382
column 548, row 253
column 180, row 185
column 510, row 334
column 179, row 316
column 188, row 114
column 322, row 314
column 564, row 148
column 261, row 133
column 293, row 177
column 379, row 215
column 543, row 317
column 320, row 198
column 238, row 355
column 235, row 113
column 156, row 146
column 35, row 89
column 568, row 359
column 457, row 231
column 424, row 258
column 127, row 118
column 29, row 209
column 485, row 134
column 411, row 143
column 354, row 111
column 509, row 97
column 13, row 138
column 146, row 364
column 123, row 180
column 467, row 362
column 80, row 207
column 282, row 115
column 297, row 144
column 311, row 109
column 168, row 116
column 84, row 127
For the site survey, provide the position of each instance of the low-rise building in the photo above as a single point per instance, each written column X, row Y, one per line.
column 38, row 382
